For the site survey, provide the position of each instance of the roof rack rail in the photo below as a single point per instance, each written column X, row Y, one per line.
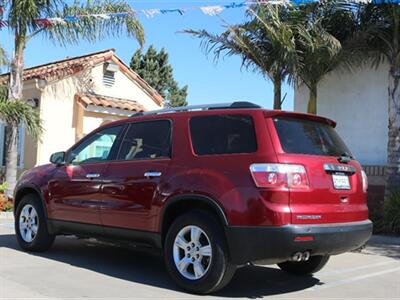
column 235, row 105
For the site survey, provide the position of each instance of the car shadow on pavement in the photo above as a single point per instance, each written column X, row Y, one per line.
column 148, row 268
column 384, row 245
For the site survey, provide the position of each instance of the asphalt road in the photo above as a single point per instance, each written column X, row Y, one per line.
column 86, row 269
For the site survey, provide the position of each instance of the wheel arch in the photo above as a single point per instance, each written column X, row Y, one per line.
column 25, row 190
column 182, row 203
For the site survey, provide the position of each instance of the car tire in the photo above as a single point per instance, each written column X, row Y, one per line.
column 31, row 225
column 305, row 268
column 195, row 241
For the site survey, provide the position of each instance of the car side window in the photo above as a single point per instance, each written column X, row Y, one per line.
column 223, row 134
column 147, row 140
column 96, row 148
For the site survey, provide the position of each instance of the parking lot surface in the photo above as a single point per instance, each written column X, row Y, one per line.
column 75, row 268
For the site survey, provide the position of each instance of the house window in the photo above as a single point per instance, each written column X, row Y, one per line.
column 108, row 78
column 21, row 143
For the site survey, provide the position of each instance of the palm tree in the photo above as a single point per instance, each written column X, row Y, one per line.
column 13, row 113
column 21, row 15
column 380, row 38
column 265, row 44
column 322, row 39
column 319, row 52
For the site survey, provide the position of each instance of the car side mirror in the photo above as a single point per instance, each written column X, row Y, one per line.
column 58, row 158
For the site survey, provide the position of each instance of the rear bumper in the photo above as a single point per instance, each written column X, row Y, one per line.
column 277, row 244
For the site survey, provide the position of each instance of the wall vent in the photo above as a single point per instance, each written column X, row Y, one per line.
column 108, row 78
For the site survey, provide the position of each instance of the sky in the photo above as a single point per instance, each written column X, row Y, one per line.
column 208, row 81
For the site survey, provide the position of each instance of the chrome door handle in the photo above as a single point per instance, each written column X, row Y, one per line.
column 152, row 174
column 92, row 175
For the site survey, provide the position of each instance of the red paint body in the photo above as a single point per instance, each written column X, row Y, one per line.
column 122, row 197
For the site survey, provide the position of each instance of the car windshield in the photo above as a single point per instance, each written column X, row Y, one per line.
column 303, row 136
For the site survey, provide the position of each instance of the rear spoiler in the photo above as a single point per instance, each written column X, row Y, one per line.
column 282, row 113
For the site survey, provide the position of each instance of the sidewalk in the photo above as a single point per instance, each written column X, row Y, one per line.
column 6, row 215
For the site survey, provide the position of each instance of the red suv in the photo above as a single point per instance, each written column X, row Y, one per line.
column 216, row 187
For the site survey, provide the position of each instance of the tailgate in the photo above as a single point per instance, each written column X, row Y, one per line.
column 335, row 193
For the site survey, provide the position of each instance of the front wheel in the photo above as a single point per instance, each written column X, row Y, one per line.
column 196, row 255
column 305, row 268
column 31, row 226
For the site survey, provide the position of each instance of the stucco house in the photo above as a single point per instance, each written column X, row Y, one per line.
column 75, row 96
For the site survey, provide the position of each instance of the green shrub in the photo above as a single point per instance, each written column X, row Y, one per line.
column 379, row 222
column 392, row 212
column 5, row 203
column 9, row 206
column 3, row 187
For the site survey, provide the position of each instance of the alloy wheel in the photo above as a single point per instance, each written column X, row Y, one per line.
column 28, row 223
column 192, row 252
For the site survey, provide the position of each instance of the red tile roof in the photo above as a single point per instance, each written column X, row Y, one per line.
column 102, row 101
column 69, row 66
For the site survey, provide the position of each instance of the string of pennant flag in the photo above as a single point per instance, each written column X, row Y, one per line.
column 212, row 10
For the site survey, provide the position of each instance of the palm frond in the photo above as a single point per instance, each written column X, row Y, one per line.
column 22, row 14
column 377, row 36
column 18, row 112
column 323, row 41
column 265, row 44
column 3, row 92
column 3, row 57
column 92, row 29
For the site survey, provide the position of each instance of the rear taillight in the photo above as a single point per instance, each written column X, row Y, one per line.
column 279, row 175
column 364, row 181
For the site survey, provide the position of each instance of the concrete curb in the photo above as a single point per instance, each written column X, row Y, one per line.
column 6, row 216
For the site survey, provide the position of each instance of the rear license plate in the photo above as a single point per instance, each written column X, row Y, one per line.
column 341, row 182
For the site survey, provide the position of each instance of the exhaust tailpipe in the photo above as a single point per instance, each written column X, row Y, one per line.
column 306, row 256
column 297, row 257
column 300, row 256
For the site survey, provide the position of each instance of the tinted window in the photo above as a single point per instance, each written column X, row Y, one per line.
column 309, row 137
column 147, row 140
column 223, row 134
column 95, row 148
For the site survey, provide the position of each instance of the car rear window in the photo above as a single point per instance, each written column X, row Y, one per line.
column 309, row 137
column 223, row 134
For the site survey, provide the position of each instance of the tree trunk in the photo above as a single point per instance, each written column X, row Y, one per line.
column 393, row 147
column 14, row 93
column 277, row 93
column 11, row 159
column 312, row 100
column 16, row 71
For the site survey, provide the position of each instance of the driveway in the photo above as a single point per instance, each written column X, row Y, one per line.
column 75, row 268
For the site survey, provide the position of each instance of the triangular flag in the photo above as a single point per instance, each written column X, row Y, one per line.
column 43, row 22
column 150, row 13
column 212, row 10
column 101, row 16
column 57, row 21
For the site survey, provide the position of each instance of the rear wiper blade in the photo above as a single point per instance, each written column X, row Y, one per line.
column 344, row 158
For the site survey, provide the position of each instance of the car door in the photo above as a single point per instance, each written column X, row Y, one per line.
column 133, row 182
column 74, row 189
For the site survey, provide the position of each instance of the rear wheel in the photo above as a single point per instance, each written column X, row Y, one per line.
column 196, row 254
column 304, row 268
column 31, row 226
